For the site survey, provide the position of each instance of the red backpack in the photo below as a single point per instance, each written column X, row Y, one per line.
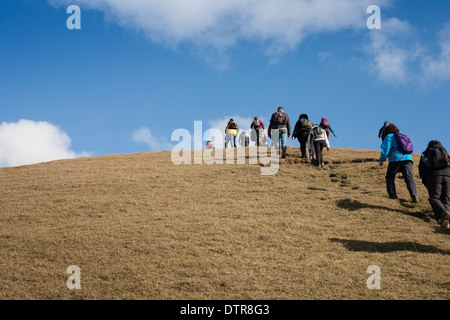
column 324, row 123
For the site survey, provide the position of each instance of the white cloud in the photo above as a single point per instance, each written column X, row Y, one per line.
column 278, row 25
column 145, row 136
column 393, row 49
column 399, row 56
column 438, row 67
column 29, row 142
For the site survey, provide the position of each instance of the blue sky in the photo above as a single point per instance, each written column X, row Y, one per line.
column 160, row 65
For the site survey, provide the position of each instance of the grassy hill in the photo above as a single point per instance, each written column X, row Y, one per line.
column 140, row 227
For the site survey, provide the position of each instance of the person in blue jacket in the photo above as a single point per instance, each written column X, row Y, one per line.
column 397, row 162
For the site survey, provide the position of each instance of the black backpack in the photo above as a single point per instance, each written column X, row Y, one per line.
column 233, row 125
column 438, row 158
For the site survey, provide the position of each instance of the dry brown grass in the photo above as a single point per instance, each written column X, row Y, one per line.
column 140, row 227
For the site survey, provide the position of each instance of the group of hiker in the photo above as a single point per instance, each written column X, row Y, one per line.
column 434, row 166
column 434, row 170
column 312, row 138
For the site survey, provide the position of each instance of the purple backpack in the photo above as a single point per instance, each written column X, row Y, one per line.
column 405, row 145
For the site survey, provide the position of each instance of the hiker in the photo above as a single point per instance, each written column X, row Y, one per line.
column 386, row 123
column 318, row 140
column 434, row 171
column 244, row 140
column 257, row 126
column 326, row 126
column 280, row 121
column 398, row 161
column 209, row 145
column 231, row 132
column 301, row 132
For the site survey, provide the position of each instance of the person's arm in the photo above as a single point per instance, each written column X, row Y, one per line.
column 262, row 125
column 269, row 130
column 386, row 147
column 294, row 133
column 327, row 143
column 423, row 169
column 288, row 125
column 380, row 132
column 334, row 134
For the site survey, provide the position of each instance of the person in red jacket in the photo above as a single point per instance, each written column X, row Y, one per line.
column 257, row 126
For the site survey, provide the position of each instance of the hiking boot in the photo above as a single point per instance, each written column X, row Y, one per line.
column 443, row 221
column 393, row 196
column 415, row 199
column 283, row 153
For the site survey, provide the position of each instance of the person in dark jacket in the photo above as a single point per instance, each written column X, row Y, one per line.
column 280, row 121
column 301, row 132
column 397, row 162
column 380, row 132
column 434, row 171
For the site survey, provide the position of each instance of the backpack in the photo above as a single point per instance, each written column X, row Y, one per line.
column 318, row 133
column 324, row 123
column 232, row 125
column 405, row 145
column 280, row 118
column 438, row 158
column 306, row 124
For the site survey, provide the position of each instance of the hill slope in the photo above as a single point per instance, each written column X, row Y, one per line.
column 140, row 227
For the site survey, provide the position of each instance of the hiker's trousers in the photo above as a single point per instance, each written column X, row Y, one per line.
column 318, row 147
column 405, row 167
column 439, row 195
column 303, row 139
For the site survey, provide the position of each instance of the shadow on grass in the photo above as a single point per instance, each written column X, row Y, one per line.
column 316, row 189
column 386, row 247
column 353, row 205
column 440, row 230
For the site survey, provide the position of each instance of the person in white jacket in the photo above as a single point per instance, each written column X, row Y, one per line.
column 317, row 141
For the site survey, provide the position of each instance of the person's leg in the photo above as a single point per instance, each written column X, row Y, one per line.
column 302, row 146
column 406, row 167
column 257, row 137
column 322, row 146
column 318, row 150
column 234, row 141
column 303, row 139
column 392, row 170
column 445, row 195
column 434, row 186
column 283, row 138
column 227, row 139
